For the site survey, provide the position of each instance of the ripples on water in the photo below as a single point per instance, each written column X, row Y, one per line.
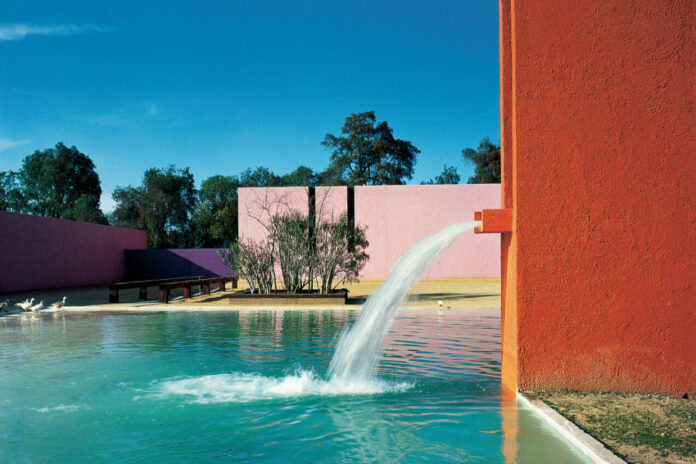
column 242, row 386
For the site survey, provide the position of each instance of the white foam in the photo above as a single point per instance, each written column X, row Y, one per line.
column 240, row 387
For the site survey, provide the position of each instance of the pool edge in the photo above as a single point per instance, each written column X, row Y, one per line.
column 586, row 443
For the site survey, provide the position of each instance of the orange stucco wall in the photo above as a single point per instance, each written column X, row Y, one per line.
column 598, row 109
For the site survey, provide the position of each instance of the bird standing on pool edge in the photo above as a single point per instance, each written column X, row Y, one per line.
column 37, row 306
column 59, row 304
column 25, row 305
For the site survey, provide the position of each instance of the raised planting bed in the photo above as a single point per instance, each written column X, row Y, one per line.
column 337, row 297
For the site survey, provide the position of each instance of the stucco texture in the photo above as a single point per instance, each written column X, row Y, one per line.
column 599, row 163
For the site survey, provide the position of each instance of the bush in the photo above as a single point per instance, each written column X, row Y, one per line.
column 328, row 254
column 252, row 262
column 340, row 252
column 290, row 235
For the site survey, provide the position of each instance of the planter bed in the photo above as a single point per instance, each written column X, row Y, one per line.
column 337, row 297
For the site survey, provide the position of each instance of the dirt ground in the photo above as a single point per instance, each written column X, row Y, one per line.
column 642, row 429
column 478, row 293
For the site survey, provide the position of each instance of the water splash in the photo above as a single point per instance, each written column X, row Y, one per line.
column 354, row 363
column 242, row 388
column 358, row 351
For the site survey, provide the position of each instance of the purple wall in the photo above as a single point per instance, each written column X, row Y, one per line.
column 396, row 216
column 38, row 252
column 181, row 262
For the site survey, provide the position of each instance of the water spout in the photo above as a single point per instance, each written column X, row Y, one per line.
column 359, row 348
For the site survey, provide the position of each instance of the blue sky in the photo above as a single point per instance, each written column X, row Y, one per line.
column 225, row 85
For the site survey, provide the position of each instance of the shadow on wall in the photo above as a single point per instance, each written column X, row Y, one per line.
column 166, row 263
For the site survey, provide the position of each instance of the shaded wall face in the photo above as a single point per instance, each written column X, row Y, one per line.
column 602, row 114
column 176, row 262
column 38, row 252
column 396, row 218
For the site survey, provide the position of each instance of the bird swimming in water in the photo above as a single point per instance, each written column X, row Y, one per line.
column 59, row 304
column 3, row 306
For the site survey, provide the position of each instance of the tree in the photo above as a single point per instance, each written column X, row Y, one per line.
column 300, row 177
column 127, row 210
column 162, row 206
column 486, row 160
column 214, row 220
column 260, row 177
column 449, row 175
column 215, row 216
column 10, row 195
column 368, row 154
column 57, row 182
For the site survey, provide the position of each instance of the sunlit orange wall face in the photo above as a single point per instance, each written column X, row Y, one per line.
column 599, row 131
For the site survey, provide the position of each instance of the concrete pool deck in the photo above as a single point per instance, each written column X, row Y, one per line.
column 455, row 294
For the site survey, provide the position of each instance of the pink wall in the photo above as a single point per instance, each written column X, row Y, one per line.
column 257, row 204
column 396, row 217
column 331, row 201
column 38, row 252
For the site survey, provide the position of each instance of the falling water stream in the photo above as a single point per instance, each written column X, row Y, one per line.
column 358, row 350
column 354, row 364
column 183, row 386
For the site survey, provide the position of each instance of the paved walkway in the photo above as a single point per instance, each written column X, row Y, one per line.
column 484, row 293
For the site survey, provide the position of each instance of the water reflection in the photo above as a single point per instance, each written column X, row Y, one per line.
column 96, row 365
column 527, row 438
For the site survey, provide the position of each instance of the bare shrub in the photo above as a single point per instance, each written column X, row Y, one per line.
column 253, row 262
column 318, row 251
column 339, row 253
column 291, row 239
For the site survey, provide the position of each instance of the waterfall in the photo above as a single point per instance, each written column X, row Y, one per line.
column 352, row 369
column 359, row 347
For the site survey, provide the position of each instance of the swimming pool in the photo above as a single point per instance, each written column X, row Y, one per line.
column 249, row 385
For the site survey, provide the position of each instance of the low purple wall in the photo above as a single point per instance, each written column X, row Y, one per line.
column 396, row 217
column 181, row 262
column 38, row 252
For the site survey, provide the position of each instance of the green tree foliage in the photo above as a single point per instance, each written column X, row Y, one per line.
column 127, row 211
column 10, row 195
column 486, row 160
column 449, row 175
column 368, row 154
column 57, row 182
column 162, row 205
column 260, row 177
column 301, row 177
column 215, row 217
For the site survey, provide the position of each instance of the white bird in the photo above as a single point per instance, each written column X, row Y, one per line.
column 59, row 304
column 25, row 305
column 37, row 307
column 3, row 306
column 440, row 305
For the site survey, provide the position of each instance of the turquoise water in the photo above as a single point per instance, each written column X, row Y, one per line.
column 183, row 387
